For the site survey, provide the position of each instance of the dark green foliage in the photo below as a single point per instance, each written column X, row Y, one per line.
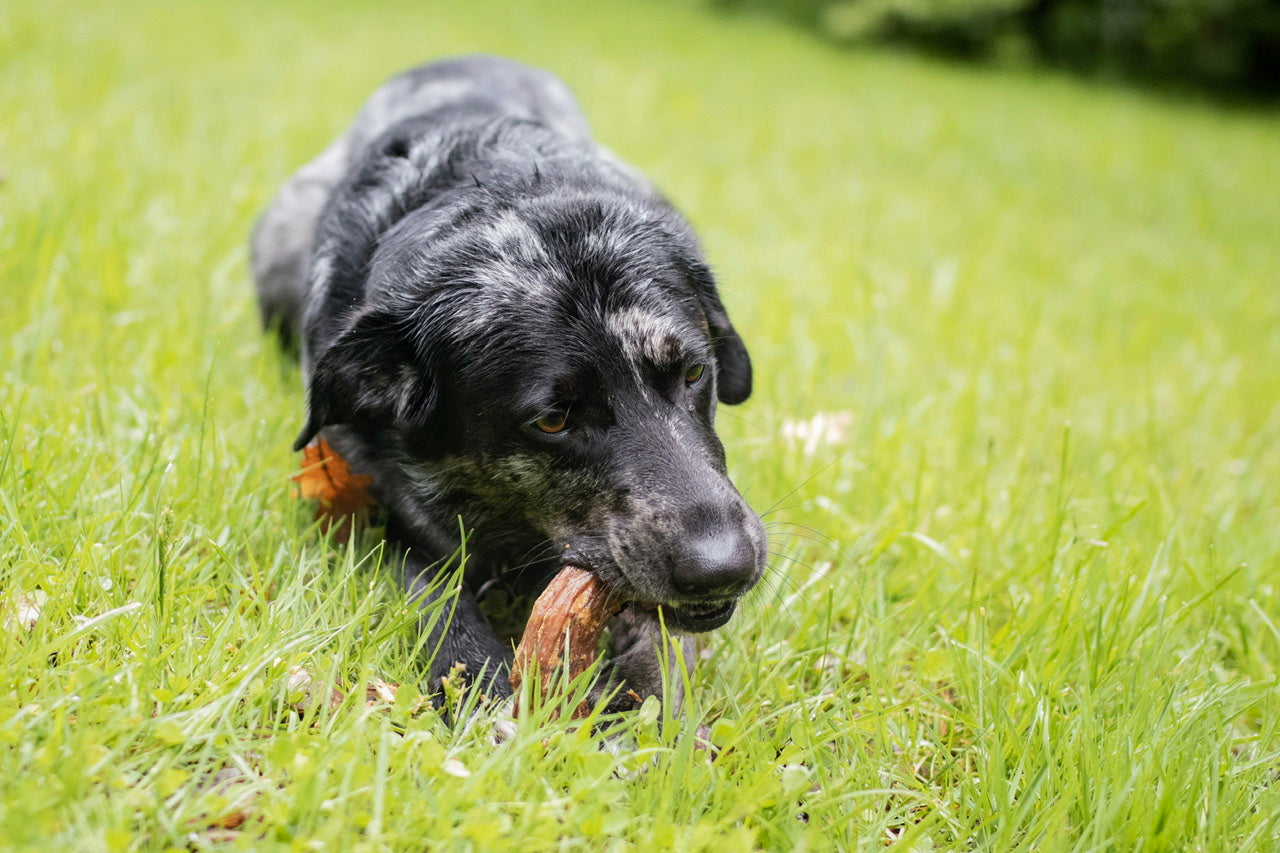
column 1219, row 43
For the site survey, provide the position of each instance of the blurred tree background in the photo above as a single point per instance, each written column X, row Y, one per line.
column 1227, row 45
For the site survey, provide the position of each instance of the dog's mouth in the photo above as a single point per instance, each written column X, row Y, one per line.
column 692, row 616
column 700, row 616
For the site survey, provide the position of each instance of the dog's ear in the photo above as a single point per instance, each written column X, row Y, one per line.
column 371, row 375
column 734, row 365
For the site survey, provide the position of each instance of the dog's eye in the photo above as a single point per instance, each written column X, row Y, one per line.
column 553, row 422
column 694, row 373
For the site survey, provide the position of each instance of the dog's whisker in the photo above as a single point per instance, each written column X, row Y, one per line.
column 795, row 561
column 793, row 524
column 758, row 425
column 783, row 579
column 793, row 540
column 800, row 531
column 777, row 509
column 807, row 480
column 528, row 559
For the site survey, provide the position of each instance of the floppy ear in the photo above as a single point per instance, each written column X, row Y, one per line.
column 371, row 375
column 734, row 374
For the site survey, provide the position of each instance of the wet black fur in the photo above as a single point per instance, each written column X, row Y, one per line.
column 466, row 260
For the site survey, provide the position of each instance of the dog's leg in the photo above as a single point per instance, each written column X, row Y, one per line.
column 459, row 634
column 636, row 666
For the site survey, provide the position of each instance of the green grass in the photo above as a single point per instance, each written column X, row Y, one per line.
column 1024, row 597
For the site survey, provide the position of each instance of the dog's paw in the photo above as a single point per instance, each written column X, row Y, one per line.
column 635, row 670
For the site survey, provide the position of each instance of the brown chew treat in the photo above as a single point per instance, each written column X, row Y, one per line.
column 575, row 606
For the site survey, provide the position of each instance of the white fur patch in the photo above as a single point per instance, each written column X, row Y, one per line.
column 645, row 335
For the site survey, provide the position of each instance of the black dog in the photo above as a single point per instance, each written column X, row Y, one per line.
column 502, row 323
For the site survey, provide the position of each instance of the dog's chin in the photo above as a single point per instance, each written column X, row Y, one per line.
column 699, row 617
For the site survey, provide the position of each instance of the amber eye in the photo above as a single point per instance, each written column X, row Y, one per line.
column 553, row 422
column 694, row 373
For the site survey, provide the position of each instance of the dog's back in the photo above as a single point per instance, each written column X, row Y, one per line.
column 284, row 236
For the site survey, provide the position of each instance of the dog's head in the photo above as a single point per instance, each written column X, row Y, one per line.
column 550, row 370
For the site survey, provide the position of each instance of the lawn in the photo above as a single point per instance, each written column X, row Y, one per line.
column 1016, row 436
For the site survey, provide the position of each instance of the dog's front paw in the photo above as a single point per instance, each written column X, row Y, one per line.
column 635, row 671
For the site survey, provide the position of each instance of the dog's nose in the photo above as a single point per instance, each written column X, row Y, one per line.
column 718, row 563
